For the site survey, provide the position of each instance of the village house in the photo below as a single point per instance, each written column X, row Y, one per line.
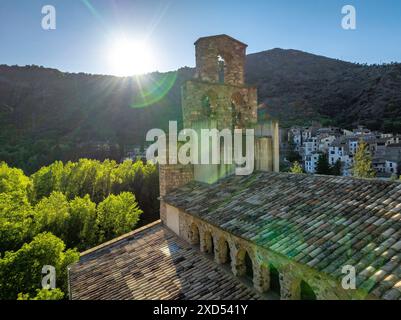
column 267, row 235
column 311, row 162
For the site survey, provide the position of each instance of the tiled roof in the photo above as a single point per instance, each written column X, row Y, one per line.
column 325, row 222
column 152, row 263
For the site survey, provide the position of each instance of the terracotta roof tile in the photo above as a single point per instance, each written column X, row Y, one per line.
column 152, row 263
column 321, row 221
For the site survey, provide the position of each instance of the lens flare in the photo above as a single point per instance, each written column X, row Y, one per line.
column 153, row 88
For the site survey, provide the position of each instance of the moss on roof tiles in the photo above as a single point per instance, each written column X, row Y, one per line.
column 318, row 220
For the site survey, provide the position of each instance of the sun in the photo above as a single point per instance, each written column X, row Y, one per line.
column 128, row 57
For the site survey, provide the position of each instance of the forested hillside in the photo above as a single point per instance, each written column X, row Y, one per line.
column 299, row 87
column 47, row 115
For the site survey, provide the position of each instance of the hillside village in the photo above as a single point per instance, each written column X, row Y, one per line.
column 340, row 146
column 308, row 143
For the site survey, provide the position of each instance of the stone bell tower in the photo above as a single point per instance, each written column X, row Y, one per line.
column 218, row 93
column 218, row 98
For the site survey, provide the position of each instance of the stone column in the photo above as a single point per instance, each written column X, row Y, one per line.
column 202, row 241
column 261, row 277
column 290, row 287
column 238, row 264
column 206, row 242
column 220, row 250
column 276, row 147
column 163, row 211
column 193, row 234
column 264, row 154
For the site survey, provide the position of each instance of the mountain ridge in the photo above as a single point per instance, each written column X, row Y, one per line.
column 46, row 113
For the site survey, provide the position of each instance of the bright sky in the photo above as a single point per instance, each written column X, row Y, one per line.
column 97, row 36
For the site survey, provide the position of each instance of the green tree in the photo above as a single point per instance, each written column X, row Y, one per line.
column 73, row 221
column 292, row 155
column 149, row 194
column 117, row 215
column 43, row 294
column 80, row 178
column 16, row 221
column 296, row 168
column 336, row 168
column 47, row 180
column 21, row 271
column 142, row 180
column 52, row 214
column 104, row 180
column 15, row 210
column 82, row 230
column 362, row 162
column 13, row 180
column 322, row 166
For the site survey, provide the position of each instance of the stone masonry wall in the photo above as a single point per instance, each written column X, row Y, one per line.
column 230, row 106
column 208, row 50
column 172, row 177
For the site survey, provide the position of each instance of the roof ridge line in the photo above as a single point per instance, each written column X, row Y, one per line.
column 117, row 239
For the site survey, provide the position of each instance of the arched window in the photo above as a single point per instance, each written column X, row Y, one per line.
column 307, row 292
column 274, row 280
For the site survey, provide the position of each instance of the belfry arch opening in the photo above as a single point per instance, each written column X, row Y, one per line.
column 221, row 65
